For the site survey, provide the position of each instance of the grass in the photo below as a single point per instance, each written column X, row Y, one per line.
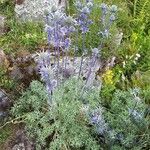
column 22, row 36
column 5, row 133
column 19, row 36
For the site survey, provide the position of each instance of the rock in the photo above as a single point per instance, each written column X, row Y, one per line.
column 5, row 104
column 19, row 146
column 22, row 142
column 4, row 101
column 118, row 38
column 2, row 25
column 31, row 10
column 3, row 114
column 19, row 2
column 23, row 69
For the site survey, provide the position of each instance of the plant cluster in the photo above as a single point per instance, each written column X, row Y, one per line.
column 89, row 124
column 89, row 96
column 48, row 125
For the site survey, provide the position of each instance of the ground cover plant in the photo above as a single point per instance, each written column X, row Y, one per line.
column 79, row 80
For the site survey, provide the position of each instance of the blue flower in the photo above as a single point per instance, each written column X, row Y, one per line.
column 96, row 118
column 113, row 8
column 104, row 8
column 67, row 43
column 107, row 18
column 112, row 18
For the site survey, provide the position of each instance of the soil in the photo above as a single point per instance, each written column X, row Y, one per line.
column 17, row 140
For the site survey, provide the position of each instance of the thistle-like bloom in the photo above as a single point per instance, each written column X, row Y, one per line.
column 67, row 43
column 113, row 8
column 104, row 8
column 46, row 71
column 43, row 58
column 97, row 119
column 84, row 10
column 107, row 18
column 58, row 28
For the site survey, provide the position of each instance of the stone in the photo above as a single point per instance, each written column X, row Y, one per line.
column 19, row 146
column 2, row 24
column 23, row 69
column 3, row 114
column 5, row 103
column 31, row 10
column 22, row 142
column 19, row 2
column 118, row 38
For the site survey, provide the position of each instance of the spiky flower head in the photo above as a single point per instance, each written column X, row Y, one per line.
column 112, row 18
column 42, row 58
column 90, row 4
column 69, row 20
column 95, row 51
column 113, row 8
column 97, row 119
column 54, row 8
column 85, row 10
column 104, row 8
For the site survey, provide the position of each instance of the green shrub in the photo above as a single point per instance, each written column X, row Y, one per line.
column 62, row 125
column 129, row 120
column 66, row 124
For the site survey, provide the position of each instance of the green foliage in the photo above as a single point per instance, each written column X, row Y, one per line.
column 144, row 49
column 5, row 81
column 5, row 133
column 146, row 95
column 141, row 13
column 65, row 125
column 107, row 94
column 62, row 125
column 22, row 36
column 128, row 121
column 19, row 36
column 7, row 8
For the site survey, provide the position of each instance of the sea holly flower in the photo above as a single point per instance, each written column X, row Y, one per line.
column 107, row 18
column 83, row 24
column 85, row 10
column 104, row 8
column 90, row 4
column 50, row 86
column 78, row 5
column 49, row 31
column 83, row 15
column 47, row 72
column 67, row 43
column 97, row 119
column 105, row 33
column 112, row 18
column 42, row 58
column 113, row 9
column 63, row 30
column 135, row 114
column 69, row 21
